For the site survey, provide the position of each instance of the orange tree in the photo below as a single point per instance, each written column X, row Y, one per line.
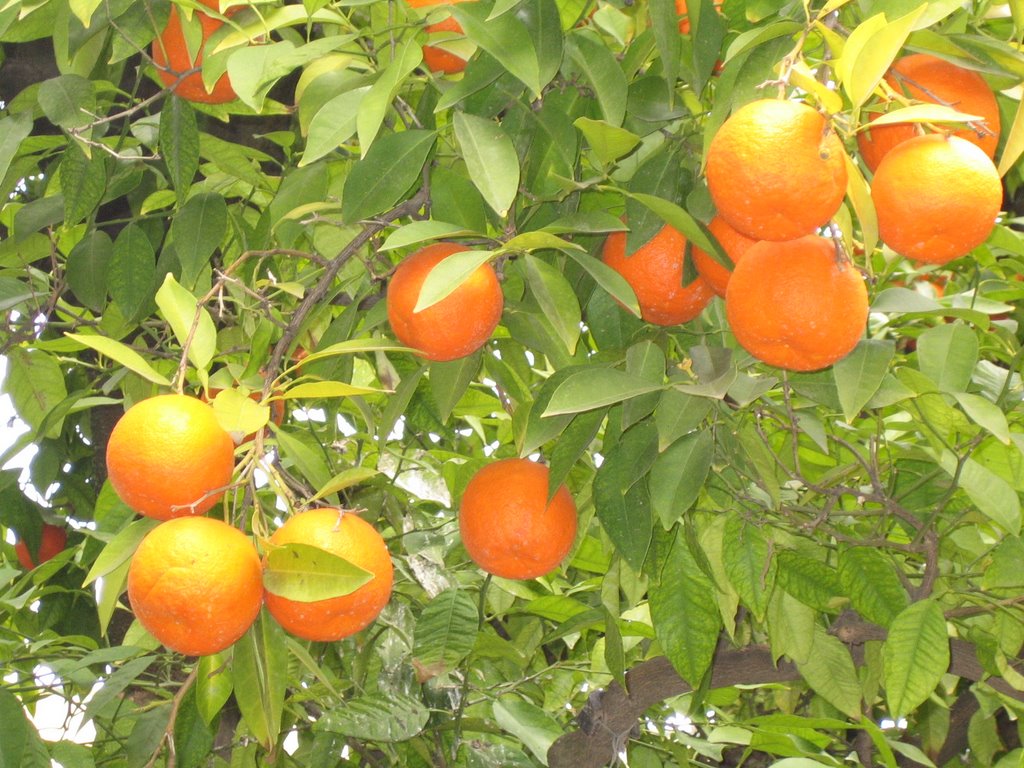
column 770, row 567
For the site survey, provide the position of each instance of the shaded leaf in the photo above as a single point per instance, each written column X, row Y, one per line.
column 915, row 656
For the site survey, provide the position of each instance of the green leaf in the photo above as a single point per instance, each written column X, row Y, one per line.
column 132, row 272
column 556, row 298
column 347, row 478
column 677, row 414
column 179, row 144
column 447, row 275
column 622, row 499
column 748, row 563
column 382, row 178
column 13, row 130
column 490, row 159
column 388, row 717
column 68, row 101
column 505, row 38
column 317, row 390
column 191, row 323
column 214, row 685
column 830, row 672
column 922, row 113
column 35, row 383
column 684, row 612
column 609, row 142
column 14, row 730
column 530, row 725
column 608, row 280
column 375, row 105
column 810, row 581
column 595, row 388
column 305, row 573
column 859, row 375
column 239, row 414
column 197, row 230
column 418, row 232
column 790, row 625
column 87, row 269
column 120, row 548
column 1014, row 143
column 571, row 444
column 993, row 496
column 985, row 413
column 83, row 181
column 677, row 217
column 948, row 354
column 870, row 50
column 333, row 125
column 115, row 685
column 915, row 656
column 445, row 633
column 306, row 458
column 678, row 475
column 259, row 666
column 449, row 381
column 593, row 59
column 121, row 353
column 870, row 579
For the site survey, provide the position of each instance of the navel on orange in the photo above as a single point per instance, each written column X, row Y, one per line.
column 168, row 457
column 776, row 170
column 796, row 304
column 196, row 584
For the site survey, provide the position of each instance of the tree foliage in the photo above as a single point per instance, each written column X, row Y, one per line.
column 776, row 566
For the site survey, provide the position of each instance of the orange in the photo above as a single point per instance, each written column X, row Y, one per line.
column 196, row 584
column 734, row 244
column 454, row 327
column 171, row 56
column 51, row 543
column 937, row 198
column 168, row 457
column 795, row 304
column 930, row 79
column 346, row 535
column 655, row 272
column 684, row 15
column 509, row 527
column 436, row 58
column 776, row 170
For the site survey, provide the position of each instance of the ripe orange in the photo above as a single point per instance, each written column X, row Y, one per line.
column 734, row 244
column 795, row 305
column 776, row 170
column 655, row 272
column 454, row 327
column 928, row 78
column 196, row 584
column 509, row 527
column 349, row 536
column 52, row 542
column 436, row 58
column 168, row 457
column 937, row 198
column 171, row 56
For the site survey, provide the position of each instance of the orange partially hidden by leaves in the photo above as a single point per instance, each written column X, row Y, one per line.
column 168, row 457
column 684, row 15
column 52, row 542
column 796, row 304
column 508, row 525
column 196, row 584
column 348, row 536
column 454, row 327
column 936, row 197
column 930, row 79
column 655, row 273
column 776, row 170
column 171, row 56
column 436, row 58
column 734, row 244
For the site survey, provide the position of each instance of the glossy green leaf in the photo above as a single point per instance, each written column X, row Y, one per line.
column 325, row 389
column 83, row 181
column 870, row 580
column 333, row 125
column 608, row 280
column 596, row 388
column 449, row 381
column 445, row 632
column 530, row 725
column 192, row 325
column 790, row 625
column 986, row 414
column 214, row 685
column 749, row 563
column 131, row 276
column 830, row 672
column 306, row 573
column 556, row 298
column 238, row 414
column 68, row 101
column 810, row 581
column 390, row 717
column 197, row 231
column 374, row 105
column 948, row 354
column 609, row 142
column 678, row 414
column 120, row 548
column 870, row 50
column 347, row 478
column 859, row 375
column 123, row 354
column 678, row 475
column 36, row 385
column 259, row 666
column 87, row 266
column 598, row 66
column 13, row 130
column 490, row 158
column 991, row 494
column 179, row 144
column 672, row 214
column 571, row 445
column 915, row 656
column 418, row 232
column 448, row 274
column 505, row 38
column 382, row 178
column 1013, row 148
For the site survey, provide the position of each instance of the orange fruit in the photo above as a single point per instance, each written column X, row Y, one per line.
column 655, row 272
column 349, row 536
column 936, row 197
column 171, row 56
column 776, row 170
column 684, row 15
column 509, row 527
column 196, row 584
column 168, row 457
column 795, row 305
column 734, row 244
column 436, row 58
column 930, row 79
column 51, row 543
column 454, row 327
